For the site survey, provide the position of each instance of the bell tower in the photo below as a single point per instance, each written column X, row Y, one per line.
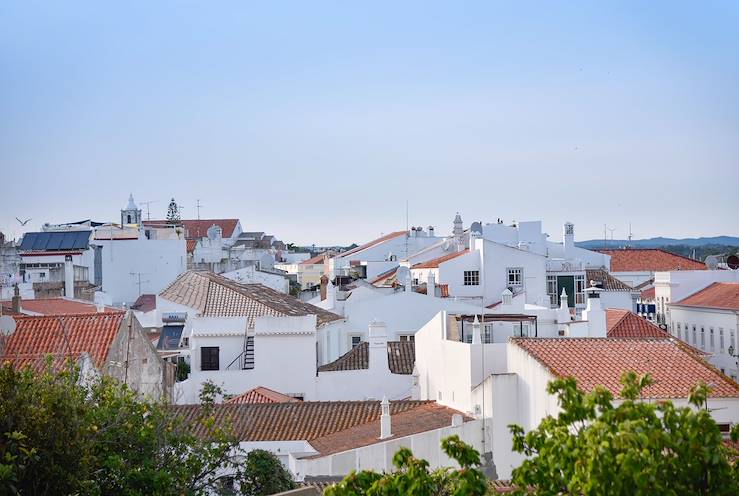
column 131, row 214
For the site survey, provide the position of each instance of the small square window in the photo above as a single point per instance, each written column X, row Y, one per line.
column 471, row 277
column 515, row 277
column 209, row 358
column 356, row 340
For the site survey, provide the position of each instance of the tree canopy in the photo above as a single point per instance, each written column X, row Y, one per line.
column 594, row 447
column 58, row 436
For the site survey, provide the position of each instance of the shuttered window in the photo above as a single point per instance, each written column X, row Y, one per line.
column 209, row 358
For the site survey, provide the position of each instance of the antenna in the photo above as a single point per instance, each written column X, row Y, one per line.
column 198, row 206
column 147, row 203
column 139, row 282
column 630, row 236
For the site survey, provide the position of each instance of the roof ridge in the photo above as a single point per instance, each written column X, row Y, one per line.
column 114, row 312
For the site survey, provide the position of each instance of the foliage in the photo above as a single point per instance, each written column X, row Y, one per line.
column 183, row 370
column 264, row 474
column 173, row 212
column 635, row 448
column 413, row 477
column 60, row 437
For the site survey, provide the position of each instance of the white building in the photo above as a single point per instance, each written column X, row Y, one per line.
column 675, row 285
column 251, row 274
column 636, row 266
column 709, row 320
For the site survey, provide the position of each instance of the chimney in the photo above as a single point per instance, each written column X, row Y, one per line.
column 563, row 312
column 431, row 231
column 68, row 277
column 16, row 301
column 431, row 285
column 378, row 346
column 413, row 232
column 324, row 286
column 569, row 239
column 594, row 313
column 385, row 427
column 506, row 297
column 476, row 339
column 415, row 388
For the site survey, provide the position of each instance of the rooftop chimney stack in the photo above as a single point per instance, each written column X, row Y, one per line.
column 386, row 430
column 476, row 338
column 569, row 239
column 324, row 287
column 378, row 346
column 431, row 231
column 431, row 285
column 594, row 313
column 16, row 301
column 68, row 277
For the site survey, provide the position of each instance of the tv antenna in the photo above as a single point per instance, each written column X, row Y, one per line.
column 138, row 281
column 147, row 203
column 198, row 206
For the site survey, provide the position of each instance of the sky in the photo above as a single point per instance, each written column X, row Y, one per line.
column 319, row 121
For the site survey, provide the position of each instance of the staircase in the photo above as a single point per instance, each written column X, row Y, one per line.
column 249, row 353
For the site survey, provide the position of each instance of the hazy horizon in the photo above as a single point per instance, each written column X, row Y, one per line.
column 316, row 122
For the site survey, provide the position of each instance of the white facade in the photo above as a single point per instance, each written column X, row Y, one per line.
column 252, row 275
column 673, row 286
column 711, row 330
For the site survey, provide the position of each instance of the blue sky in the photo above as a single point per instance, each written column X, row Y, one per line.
column 316, row 121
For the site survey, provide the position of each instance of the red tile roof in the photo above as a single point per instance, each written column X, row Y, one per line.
column 435, row 262
column 601, row 361
column 624, row 324
column 261, row 395
column 372, row 243
column 649, row 260
column 190, row 245
column 317, row 260
column 213, row 295
column 720, row 295
column 329, row 426
column 195, row 229
column 401, row 356
column 57, row 306
column 605, row 280
column 145, row 303
column 648, row 294
column 386, row 278
column 63, row 336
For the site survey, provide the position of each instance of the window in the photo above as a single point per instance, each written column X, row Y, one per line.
column 721, row 338
column 515, row 277
column 471, row 277
column 710, row 339
column 488, row 337
column 695, row 340
column 520, row 330
column 209, row 358
column 410, row 338
column 679, row 331
column 579, row 289
column 703, row 338
column 552, row 289
column 731, row 340
column 356, row 340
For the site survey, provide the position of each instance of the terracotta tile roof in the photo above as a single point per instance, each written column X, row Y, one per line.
column 648, row 294
column 63, row 336
column 387, row 278
column 649, row 260
column 435, row 262
column 195, row 229
column 213, row 295
column 601, row 361
column 329, row 426
column 190, row 245
column 401, row 356
column 145, row 303
column 721, row 295
column 605, row 280
column 317, row 260
column 372, row 243
column 624, row 324
column 261, row 395
column 57, row 306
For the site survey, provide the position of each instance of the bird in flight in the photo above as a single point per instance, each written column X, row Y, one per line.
column 22, row 222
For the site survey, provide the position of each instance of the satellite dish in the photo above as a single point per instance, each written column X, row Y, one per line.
column 7, row 325
column 711, row 262
column 476, row 227
column 733, row 262
column 402, row 274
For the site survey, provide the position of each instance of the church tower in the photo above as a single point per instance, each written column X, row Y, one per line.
column 131, row 214
column 458, row 231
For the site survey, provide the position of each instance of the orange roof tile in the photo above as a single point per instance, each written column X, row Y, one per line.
column 601, row 361
column 190, row 245
column 330, row 426
column 401, row 356
column 387, row 277
column 58, row 306
column 649, row 260
column 721, row 295
column 624, row 324
column 372, row 243
column 195, row 229
column 317, row 260
column 435, row 262
column 261, row 395
column 648, row 294
column 63, row 336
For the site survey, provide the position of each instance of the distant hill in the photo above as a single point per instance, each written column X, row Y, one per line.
column 660, row 242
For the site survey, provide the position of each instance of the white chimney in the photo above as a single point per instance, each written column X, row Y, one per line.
column 431, row 231
column 569, row 239
column 415, row 387
column 506, row 297
column 378, row 346
column 386, row 430
column 563, row 312
column 476, row 338
column 431, row 284
column 594, row 313
column 68, row 277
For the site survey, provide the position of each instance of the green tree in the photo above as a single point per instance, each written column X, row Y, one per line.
column 173, row 212
column 635, row 448
column 264, row 474
column 60, row 437
column 412, row 476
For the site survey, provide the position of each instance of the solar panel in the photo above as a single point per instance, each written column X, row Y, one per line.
column 40, row 241
column 170, row 338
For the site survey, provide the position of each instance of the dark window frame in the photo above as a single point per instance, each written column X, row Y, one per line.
column 210, row 358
